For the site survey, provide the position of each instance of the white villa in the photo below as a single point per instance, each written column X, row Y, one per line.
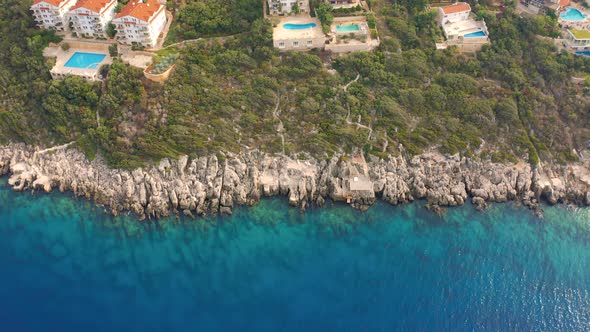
column 51, row 14
column 285, row 7
column 577, row 40
column 298, row 33
column 456, row 12
column 539, row 6
column 344, row 3
column 460, row 27
column 140, row 22
column 91, row 17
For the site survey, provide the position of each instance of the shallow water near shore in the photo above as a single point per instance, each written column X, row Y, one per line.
column 67, row 266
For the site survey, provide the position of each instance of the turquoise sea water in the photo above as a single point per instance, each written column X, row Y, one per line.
column 67, row 267
column 85, row 60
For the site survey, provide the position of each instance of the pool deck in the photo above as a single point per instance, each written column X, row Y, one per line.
column 580, row 24
column 60, row 71
column 462, row 28
column 351, row 41
column 280, row 33
column 298, row 40
column 454, row 33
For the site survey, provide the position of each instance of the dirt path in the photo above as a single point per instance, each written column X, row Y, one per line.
column 358, row 123
column 55, row 148
column 349, row 83
column 280, row 127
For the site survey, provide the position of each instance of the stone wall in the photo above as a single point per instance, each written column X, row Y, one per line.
column 160, row 78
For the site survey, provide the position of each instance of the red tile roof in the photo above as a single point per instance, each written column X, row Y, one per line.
column 139, row 9
column 456, row 8
column 51, row 2
column 94, row 5
column 564, row 3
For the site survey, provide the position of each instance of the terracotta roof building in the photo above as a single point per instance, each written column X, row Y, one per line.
column 458, row 11
column 285, row 7
column 90, row 17
column 460, row 28
column 51, row 14
column 140, row 22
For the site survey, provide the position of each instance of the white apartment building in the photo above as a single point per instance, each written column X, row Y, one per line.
column 140, row 22
column 51, row 14
column 577, row 40
column 454, row 13
column 91, row 17
column 285, row 7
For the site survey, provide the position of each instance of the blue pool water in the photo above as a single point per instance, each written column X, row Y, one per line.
column 475, row 34
column 584, row 53
column 347, row 28
column 68, row 267
column 572, row 14
column 85, row 60
column 293, row 26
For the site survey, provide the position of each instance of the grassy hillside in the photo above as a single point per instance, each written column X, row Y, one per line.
column 513, row 100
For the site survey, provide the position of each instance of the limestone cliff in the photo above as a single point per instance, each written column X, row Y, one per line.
column 209, row 185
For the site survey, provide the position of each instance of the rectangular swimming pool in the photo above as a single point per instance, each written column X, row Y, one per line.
column 347, row 28
column 296, row 26
column 85, row 60
column 475, row 34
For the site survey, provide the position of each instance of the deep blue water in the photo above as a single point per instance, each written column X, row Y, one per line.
column 65, row 266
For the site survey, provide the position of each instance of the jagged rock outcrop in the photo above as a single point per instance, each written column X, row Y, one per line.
column 209, row 185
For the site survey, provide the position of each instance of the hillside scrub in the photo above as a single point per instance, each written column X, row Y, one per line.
column 512, row 100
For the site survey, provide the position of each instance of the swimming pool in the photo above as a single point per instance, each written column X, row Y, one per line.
column 572, row 14
column 294, row 26
column 475, row 34
column 584, row 53
column 347, row 28
column 85, row 60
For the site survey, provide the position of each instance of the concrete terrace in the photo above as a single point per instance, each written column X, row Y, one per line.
column 351, row 41
column 462, row 28
column 288, row 39
column 581, row 24
column 457, row 21
column 60, row 71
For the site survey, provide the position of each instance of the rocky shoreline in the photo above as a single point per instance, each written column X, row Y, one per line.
column 209, row 185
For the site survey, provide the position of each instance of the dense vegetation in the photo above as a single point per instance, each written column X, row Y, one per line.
column 513, row 100
column 206, row 18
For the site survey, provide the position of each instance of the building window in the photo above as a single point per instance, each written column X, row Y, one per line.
column 309, row 42
column 281, row 44
column 295, row 44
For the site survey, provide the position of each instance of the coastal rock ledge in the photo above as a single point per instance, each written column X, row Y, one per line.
column 209, row 185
